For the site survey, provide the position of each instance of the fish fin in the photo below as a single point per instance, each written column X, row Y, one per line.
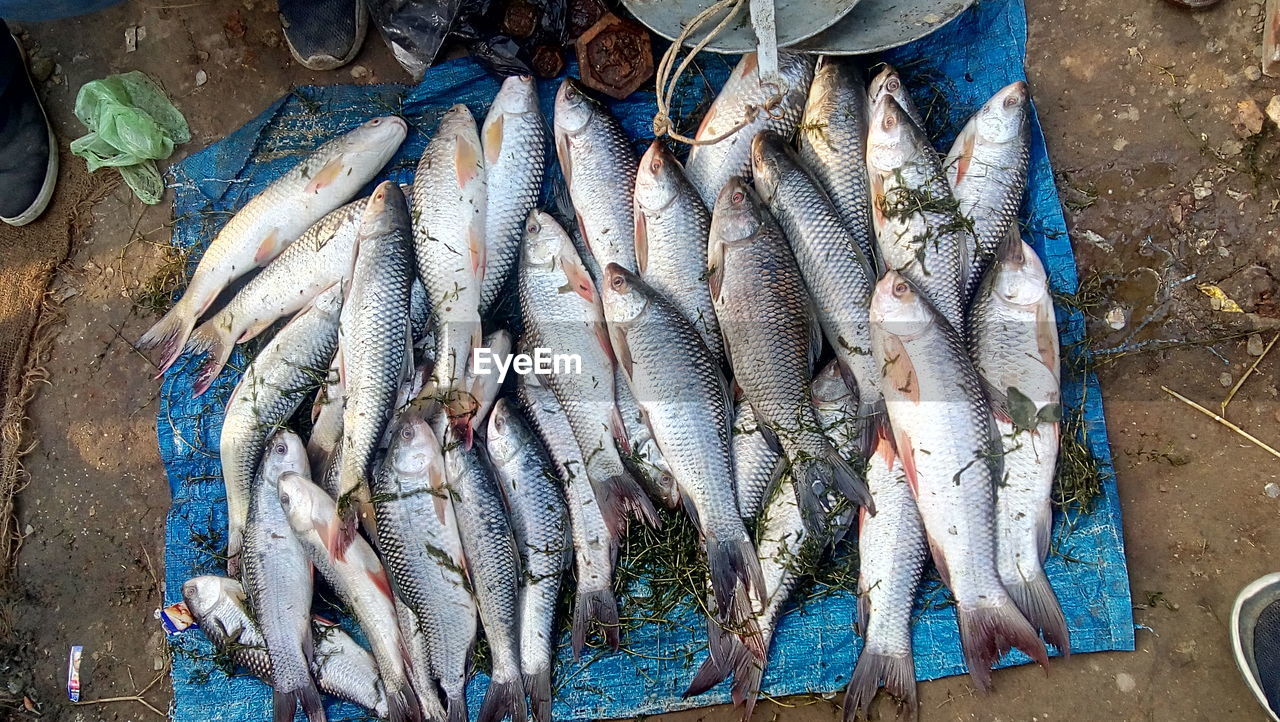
column 618, row 347
column 380, row 581
column 988, row 631
column 715, row 272
column 566, row 160
column 897, row 672
column 284, row 704
column 734, row 561
column 457, row 708
column 862, row 614
column 748, row 672
column 504, row 699
column 619, row 496
column 899, row 371
column 538, row 685
column 402, row 703
column 1038, row 603
column 267, row 250
column 849, row 481
column 642, row 239
column 254, row 330
column 906, row 454
column 877, row 199
column 709, row 674
column 492, row 138
column 342, row 531
column 170, row 335
column 1047, row 335
column 962, row 151
column 326, row 176
column 216, row 344
column 599, row 606
column 577, row 279
column 939, row 560
column 999, row 402
column 479, row 251
column 435, row 476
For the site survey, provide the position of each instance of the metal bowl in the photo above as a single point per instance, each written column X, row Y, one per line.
column 876, row 25
column 796, row 20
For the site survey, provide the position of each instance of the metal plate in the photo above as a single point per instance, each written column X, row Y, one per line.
column 797, row 20
column 876, row 25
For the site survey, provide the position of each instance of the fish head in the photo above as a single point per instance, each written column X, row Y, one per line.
column 284, row 453
column 517, row 96
column 504, row 439
column 457, row 120
column 767, row 163
column 656, row 178
column 329, row 302
column 623, row 295
column 898, row 309
column 543, row 239
column 302, row 503
column 413, row 444
column 376, row 138
column 890, row 141
column 738, row 214
column 1020, row 276
column 385, row 211
column 1006, row 115
column 574, row 107
column 829, row 386
column 885, row 82
column 203, row 594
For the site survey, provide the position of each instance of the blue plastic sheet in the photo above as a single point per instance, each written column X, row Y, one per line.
column 952, row 73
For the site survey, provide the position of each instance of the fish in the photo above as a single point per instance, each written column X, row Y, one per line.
column 833, row 141
column 271, row 390
column 562, row 313
column 277, row 581
column 838, row 404
column 595, row 548
column 744, row 107
column 599, row 166
column 688, row 406
column 449, row 202
column 326, row 422
column 640, row 452
column 422, row 551
column 944, row 437
column 987, row 170
column 340, row 666
column 514, row 140
column 838, row 276
column 325, row 179
column 891, row 557
column 888, row 82
column 1014, row 342
column 360, row 582
column 472, row 411
column 770, row 336
column 672, row 226
column 376, row 353
column 919, row 228
column 540, row 519
column 757, row 465
column 493, row 564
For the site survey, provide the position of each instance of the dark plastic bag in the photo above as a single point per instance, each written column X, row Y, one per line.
column 515, row 37
column 414, row 29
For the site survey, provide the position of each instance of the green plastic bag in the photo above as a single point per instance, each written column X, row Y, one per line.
column 131, row 125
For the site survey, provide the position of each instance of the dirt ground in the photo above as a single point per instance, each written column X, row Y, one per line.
column 1150, row 118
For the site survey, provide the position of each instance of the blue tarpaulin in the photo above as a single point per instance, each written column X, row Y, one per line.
column 952, row 73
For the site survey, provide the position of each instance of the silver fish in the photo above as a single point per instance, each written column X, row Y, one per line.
column 1014, row 340
column 540, row 520
column 449, row 201
column 833, row 142
column 599, row 165
column 769, row 333
column 562, row 314
column 374, row 342
column 277, row 579
column 944, row 435
column 641, row 453
column 742, row 110
column 493, row 564
column 272, row 388
column 514, row 138
column 358, row 578
column 987, row 170
column 756, row 464
column 888, row 82
column 919, row 228
column 687, row 403
column 421, row 547
column 595, row 549
column 891, row 557
column 340, row 666
column 836, row 273
column 273, row 219
column 326, row 423
column 672, row 227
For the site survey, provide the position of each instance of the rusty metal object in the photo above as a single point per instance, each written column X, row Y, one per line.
column 520, row 20
column 582, row 15
column 615, row 56
column 548, row 62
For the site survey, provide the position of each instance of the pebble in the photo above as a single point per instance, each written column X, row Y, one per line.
column 1254, row 346
column 1202, row 192
column 41, row 67
column 1225, row 379
column 359, row 72
column 1249, row 118
column 1272, row 490
column 1126, row 682
column 1252, row 72
column 201, row 78
column 1273, row 109
column 1116, row 318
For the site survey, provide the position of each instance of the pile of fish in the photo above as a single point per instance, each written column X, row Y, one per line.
column 817, row 329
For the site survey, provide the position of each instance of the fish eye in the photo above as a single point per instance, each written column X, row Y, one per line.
column 889, row 122
column 656, row 165
column 1011, row 101
column 900, row 288
column 893, row 84
column 619, row 282
column 738, row 197
column 282, row 448
column 406, row 432
column 375, row 122
column 533, row 227
column 570, row 92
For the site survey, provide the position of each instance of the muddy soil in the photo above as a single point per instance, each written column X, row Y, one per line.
column 1155, row 121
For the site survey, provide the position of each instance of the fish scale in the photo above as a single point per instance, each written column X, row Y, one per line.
column 754, row 461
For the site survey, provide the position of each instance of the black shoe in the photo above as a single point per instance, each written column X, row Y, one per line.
column 28, row 152
column 1255, row 637
column 323, row 34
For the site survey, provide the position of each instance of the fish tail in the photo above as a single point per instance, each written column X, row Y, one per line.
column 286, row 703
column 708, row 675
column 987, row 632
column 169, row 334
column 216, row 343
column 402, row 703
column 538, row 685
column 235, row 540
column 346, row 531
column 748, row 671
column 504, row 699
column 620, row 496
column 815, row 476
column 897, row 672
column 600, row 606
column 457, row 707
column 735, row 575
column 1035, row 598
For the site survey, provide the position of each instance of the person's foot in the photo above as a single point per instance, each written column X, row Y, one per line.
column 28, row 152
column 1255, row 637
column 323, row 34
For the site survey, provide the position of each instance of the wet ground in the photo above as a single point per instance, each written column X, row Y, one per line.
column 1156, row 123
